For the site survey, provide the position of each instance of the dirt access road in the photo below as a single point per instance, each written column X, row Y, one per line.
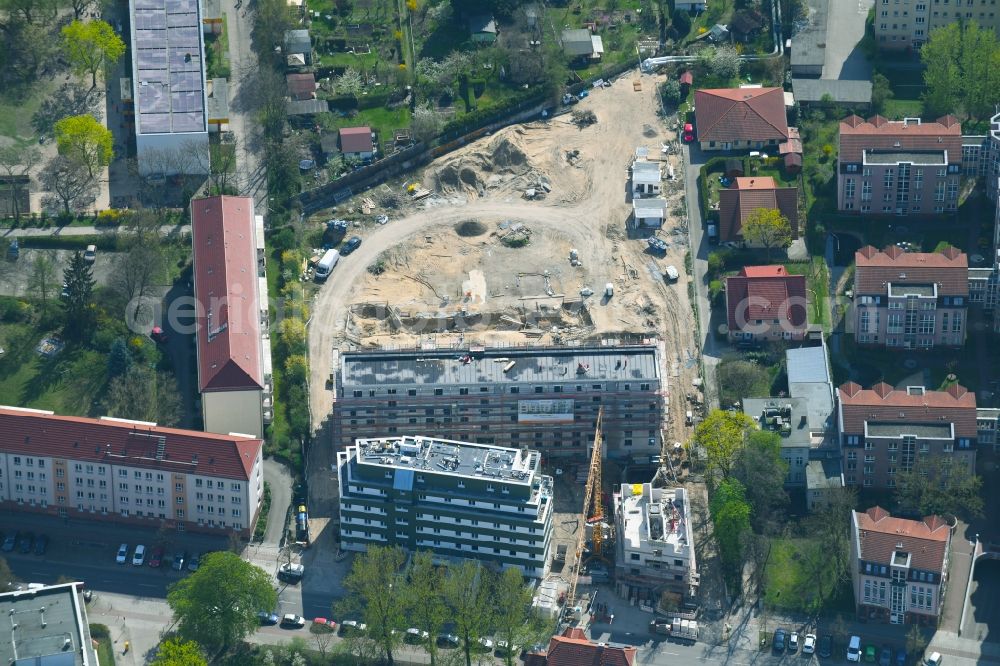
column 588, row 205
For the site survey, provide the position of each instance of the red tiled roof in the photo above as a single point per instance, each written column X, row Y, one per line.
column 301, row 86
column 877, row 133
column 745, row 195
column 574, row 649
column 876, row 268
column 38, row 433
column 356, row 140
column 225, row 286
column 883, row 403
column 880, row 535
column 763, row 292
column 741, row 114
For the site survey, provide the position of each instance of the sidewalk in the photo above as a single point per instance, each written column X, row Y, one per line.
column 67, row 231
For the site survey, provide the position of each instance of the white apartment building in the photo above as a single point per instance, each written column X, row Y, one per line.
column 655, row 542
column 907, row 24
column 117, row 470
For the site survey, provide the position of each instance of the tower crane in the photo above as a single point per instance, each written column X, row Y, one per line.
column 593, row 511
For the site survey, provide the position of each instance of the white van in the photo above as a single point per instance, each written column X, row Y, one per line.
column 326, row 264
column 934, row 659
column 672, row 273
column 854, row 649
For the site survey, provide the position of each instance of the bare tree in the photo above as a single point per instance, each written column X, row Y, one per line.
column 68, row 184
column 42, row 279
column 17, row 163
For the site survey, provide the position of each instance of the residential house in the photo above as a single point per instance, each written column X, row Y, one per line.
column 899, row 167
column 171, row 124
column 787, row 417
column 483, row 28
column 119, row 471
column 230, row 286
column 766, row 303
column 646, row 178
column 298, row 42
column 910, row 300
column 582, row 44
column 456, row 499
column 749, row 193
column 301, row 85
column 357, row 142
column 824, row 478
column 899, row 567
column 48, row 627
column 655, row 542
column 649, row 212
column 740, row 118
column 884, row 430
column 573, row 648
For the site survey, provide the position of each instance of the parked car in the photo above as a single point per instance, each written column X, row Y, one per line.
column 934, row 659
column 825, row 647
column 870, row 652
column 122, row 556
column 9, row 543
column 688, row 134
column 901, row 657
column 885, row 656
column 291, row 572
column 322, row 621
column 447, row 641
column 414, row 635
column 292, row 621
column 485, row 644
column 13, row 250
column 193, row 562
column 41, row 543
column 353, row 243
column 267, row 618
column 503, row 649
column 179, row 560
column 854, row 649
column 139, row 556
column 352, row 627
column 793, row 642
column 90, row 254
column 780, row 637
column 809, row 644
column 25, row 542
column 156, row 557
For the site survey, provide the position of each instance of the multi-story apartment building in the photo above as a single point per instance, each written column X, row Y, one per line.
column 884, row 431
column 128, row 471
column 899, row 167
column 899, row 567
column 456, row 499
column 910, row 300
column 907, row 24
column 787, row 417
column 230, row 286
column 545, row 398
column 655, row 542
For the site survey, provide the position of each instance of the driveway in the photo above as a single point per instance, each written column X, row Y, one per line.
column 845, row 28
column 982, row 618
column 280, row 481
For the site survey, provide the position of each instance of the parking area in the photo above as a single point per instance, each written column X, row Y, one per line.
column 19, row 278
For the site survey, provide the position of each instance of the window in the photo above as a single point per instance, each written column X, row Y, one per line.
column 849, row 188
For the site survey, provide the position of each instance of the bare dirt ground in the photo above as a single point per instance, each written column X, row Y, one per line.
column 438, row 269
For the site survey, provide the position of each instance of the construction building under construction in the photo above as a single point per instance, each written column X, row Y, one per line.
column 544, row 398
column 654, row 543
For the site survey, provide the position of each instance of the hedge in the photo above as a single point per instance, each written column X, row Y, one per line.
column 369, row 101
column 103, row 242
column 713, row 165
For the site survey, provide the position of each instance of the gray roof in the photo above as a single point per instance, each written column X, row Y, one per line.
column 824, row 474
column 798, row 437
column 646, row 172
column 649, row 207
column 486, row 366
column 300, row 107
column 844, row 92
column 577, row 42
column 921, row 430
column 45, row 619
column 218, row 101
column 809, row 43
column 169, row 67
column 482, row 23
column 809, row 379
column 912, row 157
column 988, row 413
column 297, row 41
column 807, row 364
column 911, row 289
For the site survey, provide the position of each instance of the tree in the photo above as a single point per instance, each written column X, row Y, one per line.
column 217, row 605
column 680, row 23
column 768, row 228
column 830, row 523
column 467, row 593
column 71, row 99
column 136, row 270
column 80, row 7
column 378, row 590
column 723, row 61
column 916, row 641
column 16, row 163
column 6, row 576
column 42, row 279
column 961, row 70
column 68, row 184
column 176, row 652
column 425, row 606
column 739, row 378
column 349, row 83
column 940, row 486
column 78, row 303
column 731, row 518
column 119, row 358
column 881, row 91
column 143, row 394
column 512, row 615
column 722, row 435
column 85, row 141
column 670, row 91
column 91, row 46
column 425, row 124
column 762, row 471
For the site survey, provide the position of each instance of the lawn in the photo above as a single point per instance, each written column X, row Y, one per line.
column 218, row 54
column 105, row 649
column 15, row 114
column 794, row 578
column 66, row 384
column 818, row 285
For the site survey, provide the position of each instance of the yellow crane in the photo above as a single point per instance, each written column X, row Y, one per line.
column 593, row 511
